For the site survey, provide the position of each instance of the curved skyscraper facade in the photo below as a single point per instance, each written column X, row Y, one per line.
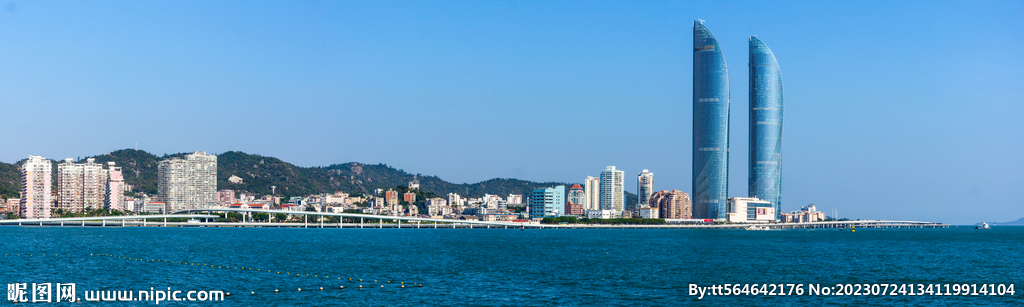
column 710, row 126
column 765, row 173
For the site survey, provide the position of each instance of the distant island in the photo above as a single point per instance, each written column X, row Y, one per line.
column 1019, row 222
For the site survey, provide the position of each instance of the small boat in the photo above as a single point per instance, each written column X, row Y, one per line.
column 982, row 226
column 755, row 227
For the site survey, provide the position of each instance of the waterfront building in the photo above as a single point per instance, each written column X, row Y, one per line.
column 36, row 185
column 69, row 186
column 806, row 214
column 225, row 198
column 750, row 210
column 514, row 199
column 592, row 189
column 672, row 204
column 644, row 189
column 155, row 207
column 115, row 188
column 81, row 186
column 577, row 195
column 710, row 126
column 601, row 214
column 547, row 202
column 766, row 104
column 187, row 183
column 391, row 197
column 648, row 213
column 612, row 197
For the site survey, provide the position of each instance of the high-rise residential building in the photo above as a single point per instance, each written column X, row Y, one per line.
column 69, row 186
column 409, row 197
column 765, row 172
column 115, row 188
column 710, row 125
column 577, row 195
column 612, row 192
column 644, row 189
column 81, row 186
column 189, row 183
column 672, row 204
column 547, row 202
column 592, row 189
column 514, row 199
column 391, row 197
column 36, row 185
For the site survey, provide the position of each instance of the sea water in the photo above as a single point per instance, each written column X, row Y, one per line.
column 511, row 267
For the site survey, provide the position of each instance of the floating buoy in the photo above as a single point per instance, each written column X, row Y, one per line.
column 227, row 294
column 382, row 286
column 389, row 281
column 300, row 289
column 321, row 288
column 360, row 286
column 275, row 291
column 342, row 287
column 254, row 292
column 421, row 285
column 403, row 286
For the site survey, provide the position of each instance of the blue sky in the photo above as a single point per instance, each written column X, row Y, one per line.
column 904, row 110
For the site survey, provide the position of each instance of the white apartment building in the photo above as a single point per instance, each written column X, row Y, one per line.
column 36, row 185
column 601, row 214
column 188, row 183
column 644, row 189
column 435, row 205
column 455, row 200
column 612, row 197
column 592, row 191
column 514, row 199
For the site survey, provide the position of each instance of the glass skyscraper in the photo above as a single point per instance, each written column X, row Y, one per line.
column 710, row 126
column 765, row 173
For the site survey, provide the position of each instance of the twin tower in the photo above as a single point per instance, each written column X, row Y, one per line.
column 711, row 126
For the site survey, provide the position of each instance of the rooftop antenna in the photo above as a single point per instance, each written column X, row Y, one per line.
column 136, row 145
column 701, row 20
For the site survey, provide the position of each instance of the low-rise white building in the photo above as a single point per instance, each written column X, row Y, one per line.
column 749, row 210
column 648, row 213
column 602, row 214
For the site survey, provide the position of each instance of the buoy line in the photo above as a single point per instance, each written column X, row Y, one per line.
column 401, row 284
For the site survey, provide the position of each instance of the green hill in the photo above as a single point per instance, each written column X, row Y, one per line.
column 259, row 173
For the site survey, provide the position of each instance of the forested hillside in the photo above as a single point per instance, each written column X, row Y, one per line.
column 259, row 173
